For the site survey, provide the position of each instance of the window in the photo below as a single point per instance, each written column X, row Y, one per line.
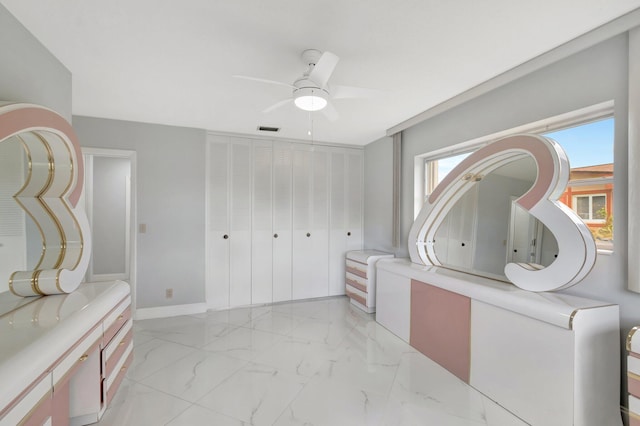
column 591, row 208
column 586, row 136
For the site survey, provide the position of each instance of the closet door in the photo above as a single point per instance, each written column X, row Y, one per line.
column 282, row 221
column 240, row 224
column 345, row 213
column 354, row 188
column 218, row 154
column 262, row 235
column 310, row 222
column 337, row 222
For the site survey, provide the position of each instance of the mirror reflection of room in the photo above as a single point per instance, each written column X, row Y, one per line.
column 20, row 239
column 486, row 229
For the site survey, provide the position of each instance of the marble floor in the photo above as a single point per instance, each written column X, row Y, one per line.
column 319, row 362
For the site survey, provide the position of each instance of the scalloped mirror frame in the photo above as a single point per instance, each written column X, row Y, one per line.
column 50, row 196
column 576, row 246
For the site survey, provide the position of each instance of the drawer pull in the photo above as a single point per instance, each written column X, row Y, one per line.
column 84, row 357
column 121, row 343
column 124, row 367
column 120, row 317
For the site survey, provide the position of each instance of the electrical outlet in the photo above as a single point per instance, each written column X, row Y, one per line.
column 168, row 293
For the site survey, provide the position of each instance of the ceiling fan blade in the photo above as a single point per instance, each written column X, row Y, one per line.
column 277, row 105
column 264, row 80
column 323, row 69
column 349, row 92
column 330, row 112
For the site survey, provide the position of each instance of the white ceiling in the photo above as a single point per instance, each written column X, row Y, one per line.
column 171, row 62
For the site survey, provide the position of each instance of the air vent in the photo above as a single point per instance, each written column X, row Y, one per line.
column 268, row 129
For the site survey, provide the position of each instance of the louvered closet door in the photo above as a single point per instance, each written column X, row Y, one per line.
column 240, row 224
column 218, row 151
column 282, row 221
column 262, row 236
column 337, row 222
column 354, row 190
column 345, row 213
column 310, row 222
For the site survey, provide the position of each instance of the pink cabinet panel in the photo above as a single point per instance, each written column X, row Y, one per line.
column 441, row 327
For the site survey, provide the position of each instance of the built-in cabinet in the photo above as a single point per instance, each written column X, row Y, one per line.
column 281, row 216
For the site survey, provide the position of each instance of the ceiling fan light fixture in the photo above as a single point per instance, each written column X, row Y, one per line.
column 310, row 99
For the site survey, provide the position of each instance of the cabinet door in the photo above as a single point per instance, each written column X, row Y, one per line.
column 354, row 203
column 218, row 154
column 441, row 327
column 310, row 222
column 240, row 224
column 262, row 236
column 320, row 233
column 282, row 221
column 337, row 223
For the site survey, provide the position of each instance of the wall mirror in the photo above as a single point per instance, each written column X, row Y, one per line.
column 497, row 215
column 45, row 243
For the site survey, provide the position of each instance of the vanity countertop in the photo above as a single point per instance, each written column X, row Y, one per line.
column 37, row 332
column 552, row 307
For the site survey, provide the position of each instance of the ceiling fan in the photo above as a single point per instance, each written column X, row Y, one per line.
column 311, row 92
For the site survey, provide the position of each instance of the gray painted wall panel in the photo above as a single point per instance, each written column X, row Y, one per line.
column 171, row 202
column 597, row 74
column 28, row 71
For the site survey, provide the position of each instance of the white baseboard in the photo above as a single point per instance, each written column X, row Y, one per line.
column 170, row 311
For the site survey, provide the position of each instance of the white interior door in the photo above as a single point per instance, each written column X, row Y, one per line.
column 320, row 223
column 337, row 222
column 218, row 154
column 355, row 199
column 282, row 221
column 240, row 224
column 109, row 197
column 262, row 217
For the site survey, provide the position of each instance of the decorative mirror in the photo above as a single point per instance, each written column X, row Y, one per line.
column 50, row 232
column 496, row 214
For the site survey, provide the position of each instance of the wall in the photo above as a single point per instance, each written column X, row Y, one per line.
column 378, row 200
column 594, row 75
column 170, row 201
column 28, row 71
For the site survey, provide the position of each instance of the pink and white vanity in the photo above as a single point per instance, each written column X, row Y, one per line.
column 64, row 347
column 633, row 376
column 549, row 358
column 63, row 356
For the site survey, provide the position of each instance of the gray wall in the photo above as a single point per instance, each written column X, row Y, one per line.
column 597, row 74
column 378, row 200
column 170, row 201
column 28, row 71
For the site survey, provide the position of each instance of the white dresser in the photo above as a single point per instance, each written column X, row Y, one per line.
column 62, row 357
column 360, row 277
column 549, row 358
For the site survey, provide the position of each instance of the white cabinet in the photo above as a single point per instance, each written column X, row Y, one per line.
column 281, row 216
column 310, row 222
column 262, row 235
column 229, row 207
column 282, row 221
column 345, row 213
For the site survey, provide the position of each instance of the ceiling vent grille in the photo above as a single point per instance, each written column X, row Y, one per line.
column 268, row 129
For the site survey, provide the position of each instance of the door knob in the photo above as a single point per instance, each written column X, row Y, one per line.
column 275, row 235
column 349, row 234
column 308, row 234
column 225, row 236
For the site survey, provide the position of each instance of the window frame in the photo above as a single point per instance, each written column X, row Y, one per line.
column 570, row 119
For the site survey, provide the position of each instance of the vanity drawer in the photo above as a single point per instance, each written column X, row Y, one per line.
column 356, row 282
column 116, row 348
column 357, row 297
column 111, row 383
column 76, row 356
column 356, row 268
column 116, row 319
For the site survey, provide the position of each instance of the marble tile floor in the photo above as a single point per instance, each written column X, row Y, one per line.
column 321, row 362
